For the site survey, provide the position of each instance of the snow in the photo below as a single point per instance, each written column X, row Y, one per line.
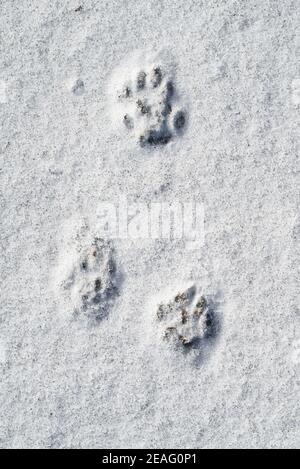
column 67, row 382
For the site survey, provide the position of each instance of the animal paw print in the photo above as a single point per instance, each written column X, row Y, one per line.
column 92, row 281
column 150, row 107
column 186, row 320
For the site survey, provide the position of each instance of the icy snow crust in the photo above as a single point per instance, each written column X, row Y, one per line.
column 85, row 359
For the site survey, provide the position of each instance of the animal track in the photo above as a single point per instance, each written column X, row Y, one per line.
column 93, row 281
column 149, row 103
column 187, row 320
column 78, row 87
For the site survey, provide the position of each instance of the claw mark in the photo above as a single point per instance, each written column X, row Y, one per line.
column 179, row 120
column 156, row 77
column 141, row 80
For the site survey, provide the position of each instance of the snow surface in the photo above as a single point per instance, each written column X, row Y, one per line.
column 67, row 383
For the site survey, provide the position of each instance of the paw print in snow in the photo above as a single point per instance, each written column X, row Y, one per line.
column 92, row 282
column 149, row 102
column 186, row 320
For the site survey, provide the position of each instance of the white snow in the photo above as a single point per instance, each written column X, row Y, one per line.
column 64, row 153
